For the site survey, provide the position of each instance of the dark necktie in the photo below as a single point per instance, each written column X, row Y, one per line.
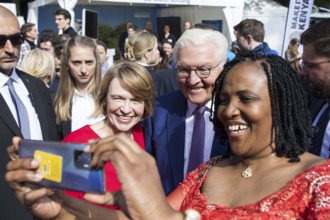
column 22, row 114
column 198, row 138
column 319, row 132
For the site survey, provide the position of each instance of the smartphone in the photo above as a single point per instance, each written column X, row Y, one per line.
column 64, row 165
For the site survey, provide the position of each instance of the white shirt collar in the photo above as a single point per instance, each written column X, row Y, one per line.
column 142, row 64
column 77, row 93
column 4, row 78
column 192, row 107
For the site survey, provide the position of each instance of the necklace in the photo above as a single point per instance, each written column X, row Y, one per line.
column 247, row 173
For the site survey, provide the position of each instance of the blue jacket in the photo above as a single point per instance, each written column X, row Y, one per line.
column 165, row 137
column 264, row 49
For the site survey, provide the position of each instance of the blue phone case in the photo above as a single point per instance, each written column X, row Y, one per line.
column 64, row 165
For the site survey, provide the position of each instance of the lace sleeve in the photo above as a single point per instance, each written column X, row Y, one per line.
column 320, row 197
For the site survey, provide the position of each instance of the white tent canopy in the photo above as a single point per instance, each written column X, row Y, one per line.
column 232, row 10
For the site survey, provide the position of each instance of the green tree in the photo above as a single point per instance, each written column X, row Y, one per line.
column 110, row 36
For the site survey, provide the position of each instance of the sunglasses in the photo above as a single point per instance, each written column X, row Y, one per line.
column 15, row 39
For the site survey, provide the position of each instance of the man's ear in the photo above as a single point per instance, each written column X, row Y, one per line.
column 249, row 39
column 68, row 21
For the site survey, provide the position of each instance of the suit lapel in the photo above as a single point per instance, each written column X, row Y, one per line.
column 33, row 95
column 7, row 117
column 175, row 124
column 30, row 88
column 315, row 106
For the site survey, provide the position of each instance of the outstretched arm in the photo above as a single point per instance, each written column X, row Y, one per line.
column 138, row 174
column 46, row 203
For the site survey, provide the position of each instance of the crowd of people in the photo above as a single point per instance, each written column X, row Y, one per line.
column 184, row 128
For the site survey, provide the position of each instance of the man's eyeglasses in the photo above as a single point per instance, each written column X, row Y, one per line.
column 15, row 39
column 201, row 72
column 307, row 65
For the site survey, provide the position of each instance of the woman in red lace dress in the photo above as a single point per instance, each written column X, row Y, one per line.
column 260, row 107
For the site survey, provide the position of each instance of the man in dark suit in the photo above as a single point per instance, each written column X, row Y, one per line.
column 35, row 97
column 316, row 67
column 165, row 81
column 200, row 55
column 63, row 20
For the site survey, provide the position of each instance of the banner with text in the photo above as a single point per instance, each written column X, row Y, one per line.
column 297, row 20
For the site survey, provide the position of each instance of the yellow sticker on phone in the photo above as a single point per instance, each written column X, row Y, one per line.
column 50, row 165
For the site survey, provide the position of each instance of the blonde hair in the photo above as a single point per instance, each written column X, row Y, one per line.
column 67, row 85
column 293, row 50
column 138, row 44
column 135, row 78
column 39, row 63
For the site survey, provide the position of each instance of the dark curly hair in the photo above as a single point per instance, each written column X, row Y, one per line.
column 290, row 116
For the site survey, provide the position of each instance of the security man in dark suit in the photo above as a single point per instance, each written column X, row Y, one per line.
column 29, row 94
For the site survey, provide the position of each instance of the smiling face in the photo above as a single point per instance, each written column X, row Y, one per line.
column 123, row 109
column 245, row 110
column 168, row 49
column 82, row 65
column 195, row 89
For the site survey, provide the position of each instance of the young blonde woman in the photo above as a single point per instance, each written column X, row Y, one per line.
column 292, row 55
column 142, row 47
column 76, row 97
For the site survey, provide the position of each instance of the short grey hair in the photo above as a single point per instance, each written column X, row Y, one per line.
column 196, row 37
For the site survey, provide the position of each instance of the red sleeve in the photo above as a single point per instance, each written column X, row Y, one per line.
column 82, row 135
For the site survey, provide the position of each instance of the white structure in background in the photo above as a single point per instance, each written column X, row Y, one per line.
column 110, row 54
column 297, row 21
column 33, row 7
column 196, row 10
column 12, row 8
column 273, row 15
column 230, row 12
column 69, row 5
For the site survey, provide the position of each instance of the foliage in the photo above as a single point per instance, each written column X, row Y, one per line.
column 258, row 5
column 110, row 37
column 320, row 3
